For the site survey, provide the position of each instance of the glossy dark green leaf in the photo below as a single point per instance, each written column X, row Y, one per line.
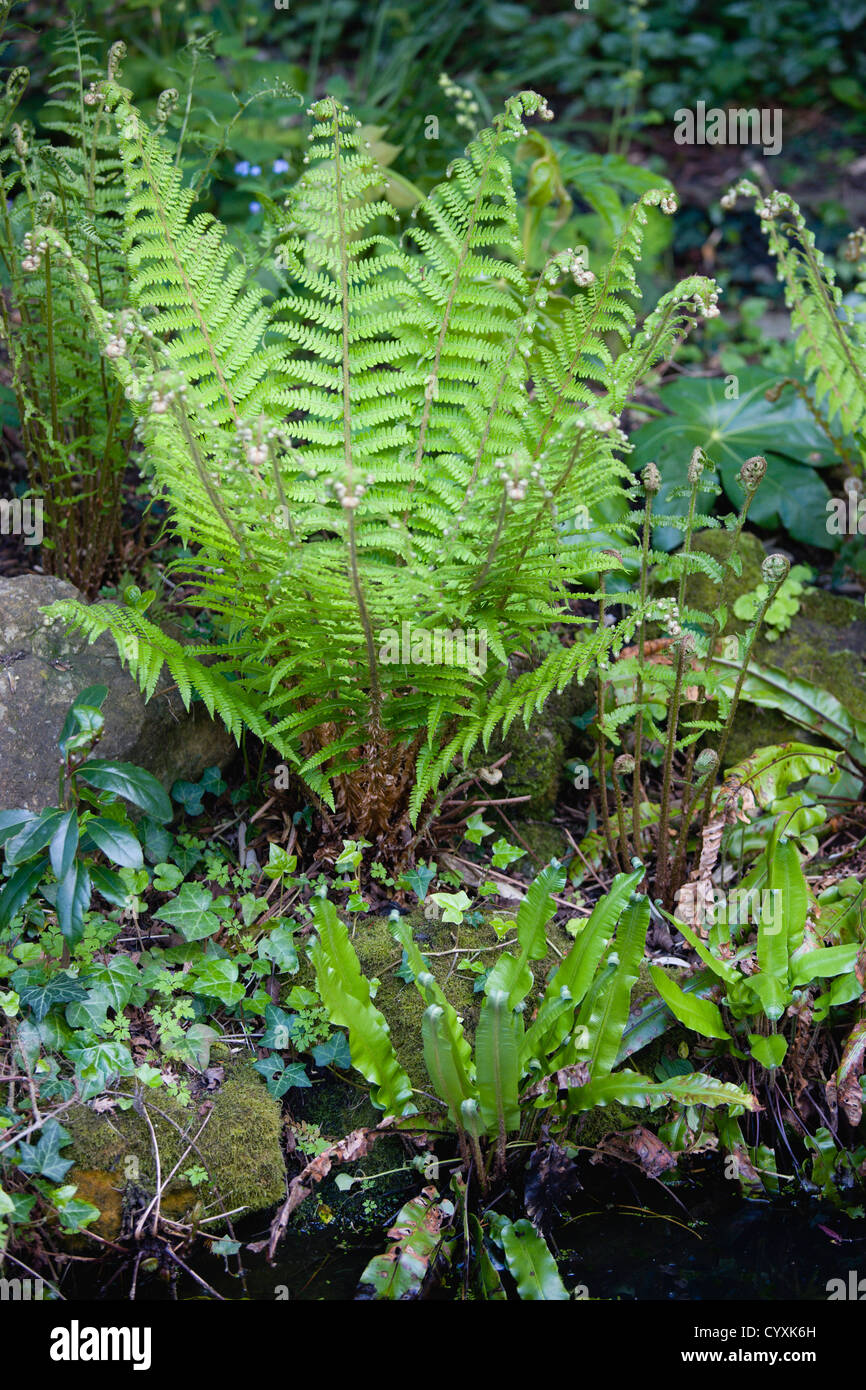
column 117, row 842
column 64, row 844
column 130, row 782
column 33, row 837
column 19, row 887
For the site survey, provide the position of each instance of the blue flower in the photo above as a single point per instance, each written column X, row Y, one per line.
column 281, row 166
column 243, row 168
column 255, row 207
column 255, row 171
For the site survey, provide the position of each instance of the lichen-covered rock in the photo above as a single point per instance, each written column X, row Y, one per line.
column 239, row 1146
column 42, row 670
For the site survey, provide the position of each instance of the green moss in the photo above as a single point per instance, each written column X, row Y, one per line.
column 401, row 1003
column 825, row 644
column 239, row 1146
column 545, row 840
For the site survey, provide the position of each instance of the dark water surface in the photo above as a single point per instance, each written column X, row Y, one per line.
column 629, row 1242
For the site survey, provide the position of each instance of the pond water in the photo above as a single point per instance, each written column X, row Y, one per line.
column 636, row 1247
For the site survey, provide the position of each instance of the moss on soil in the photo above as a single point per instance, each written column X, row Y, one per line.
column 240, row 1146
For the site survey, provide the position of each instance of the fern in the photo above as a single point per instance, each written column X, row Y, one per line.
column 399, row 437
column 830, row 342
column 74, row 422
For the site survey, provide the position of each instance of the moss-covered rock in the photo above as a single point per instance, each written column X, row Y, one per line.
column 240, row 1146
column 825, row 644
column 536, row 754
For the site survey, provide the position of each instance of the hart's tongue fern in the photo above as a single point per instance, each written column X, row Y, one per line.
column 402, row 435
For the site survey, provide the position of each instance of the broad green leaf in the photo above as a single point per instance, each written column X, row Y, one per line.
column 578, row 969
column 824, row 963
column 444, row 1064
column 117, row 842
column 345, row 992
column 33, row 837
column 531, row 1264
column 400, row 1272
column 64, row 845
column 770, row 1050
column 19, row 887
column 72, row 901
column 701, row 1015
column 497, row 1066
column 732, row 429
column 631, row 1088
column 13, row 821
column 130, row 782
column 609, row 1014
column 431, row 992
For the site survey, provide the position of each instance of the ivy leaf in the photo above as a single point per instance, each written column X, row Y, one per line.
column 278, row 1028
column 280, row 1079
column 191, row 911
column 279, row 946
column 39, row 998
column 453, row 906
column 477, row 828
column 121, row 977
column 43, row 1157
column 418, row 880
column 189, row 796
column 505, row 853
column 166, row 878
column 218, row 978
column 334, row 1052
column 195, row 1045
column 98, row 1060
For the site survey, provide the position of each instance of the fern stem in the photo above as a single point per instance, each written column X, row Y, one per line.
column 599, row 697
column 772, row 589
column 684, row 645
column 638, row 726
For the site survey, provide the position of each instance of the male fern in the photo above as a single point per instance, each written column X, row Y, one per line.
column 402, row 435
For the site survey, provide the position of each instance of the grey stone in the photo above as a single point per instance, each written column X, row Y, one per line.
column 43, row 668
